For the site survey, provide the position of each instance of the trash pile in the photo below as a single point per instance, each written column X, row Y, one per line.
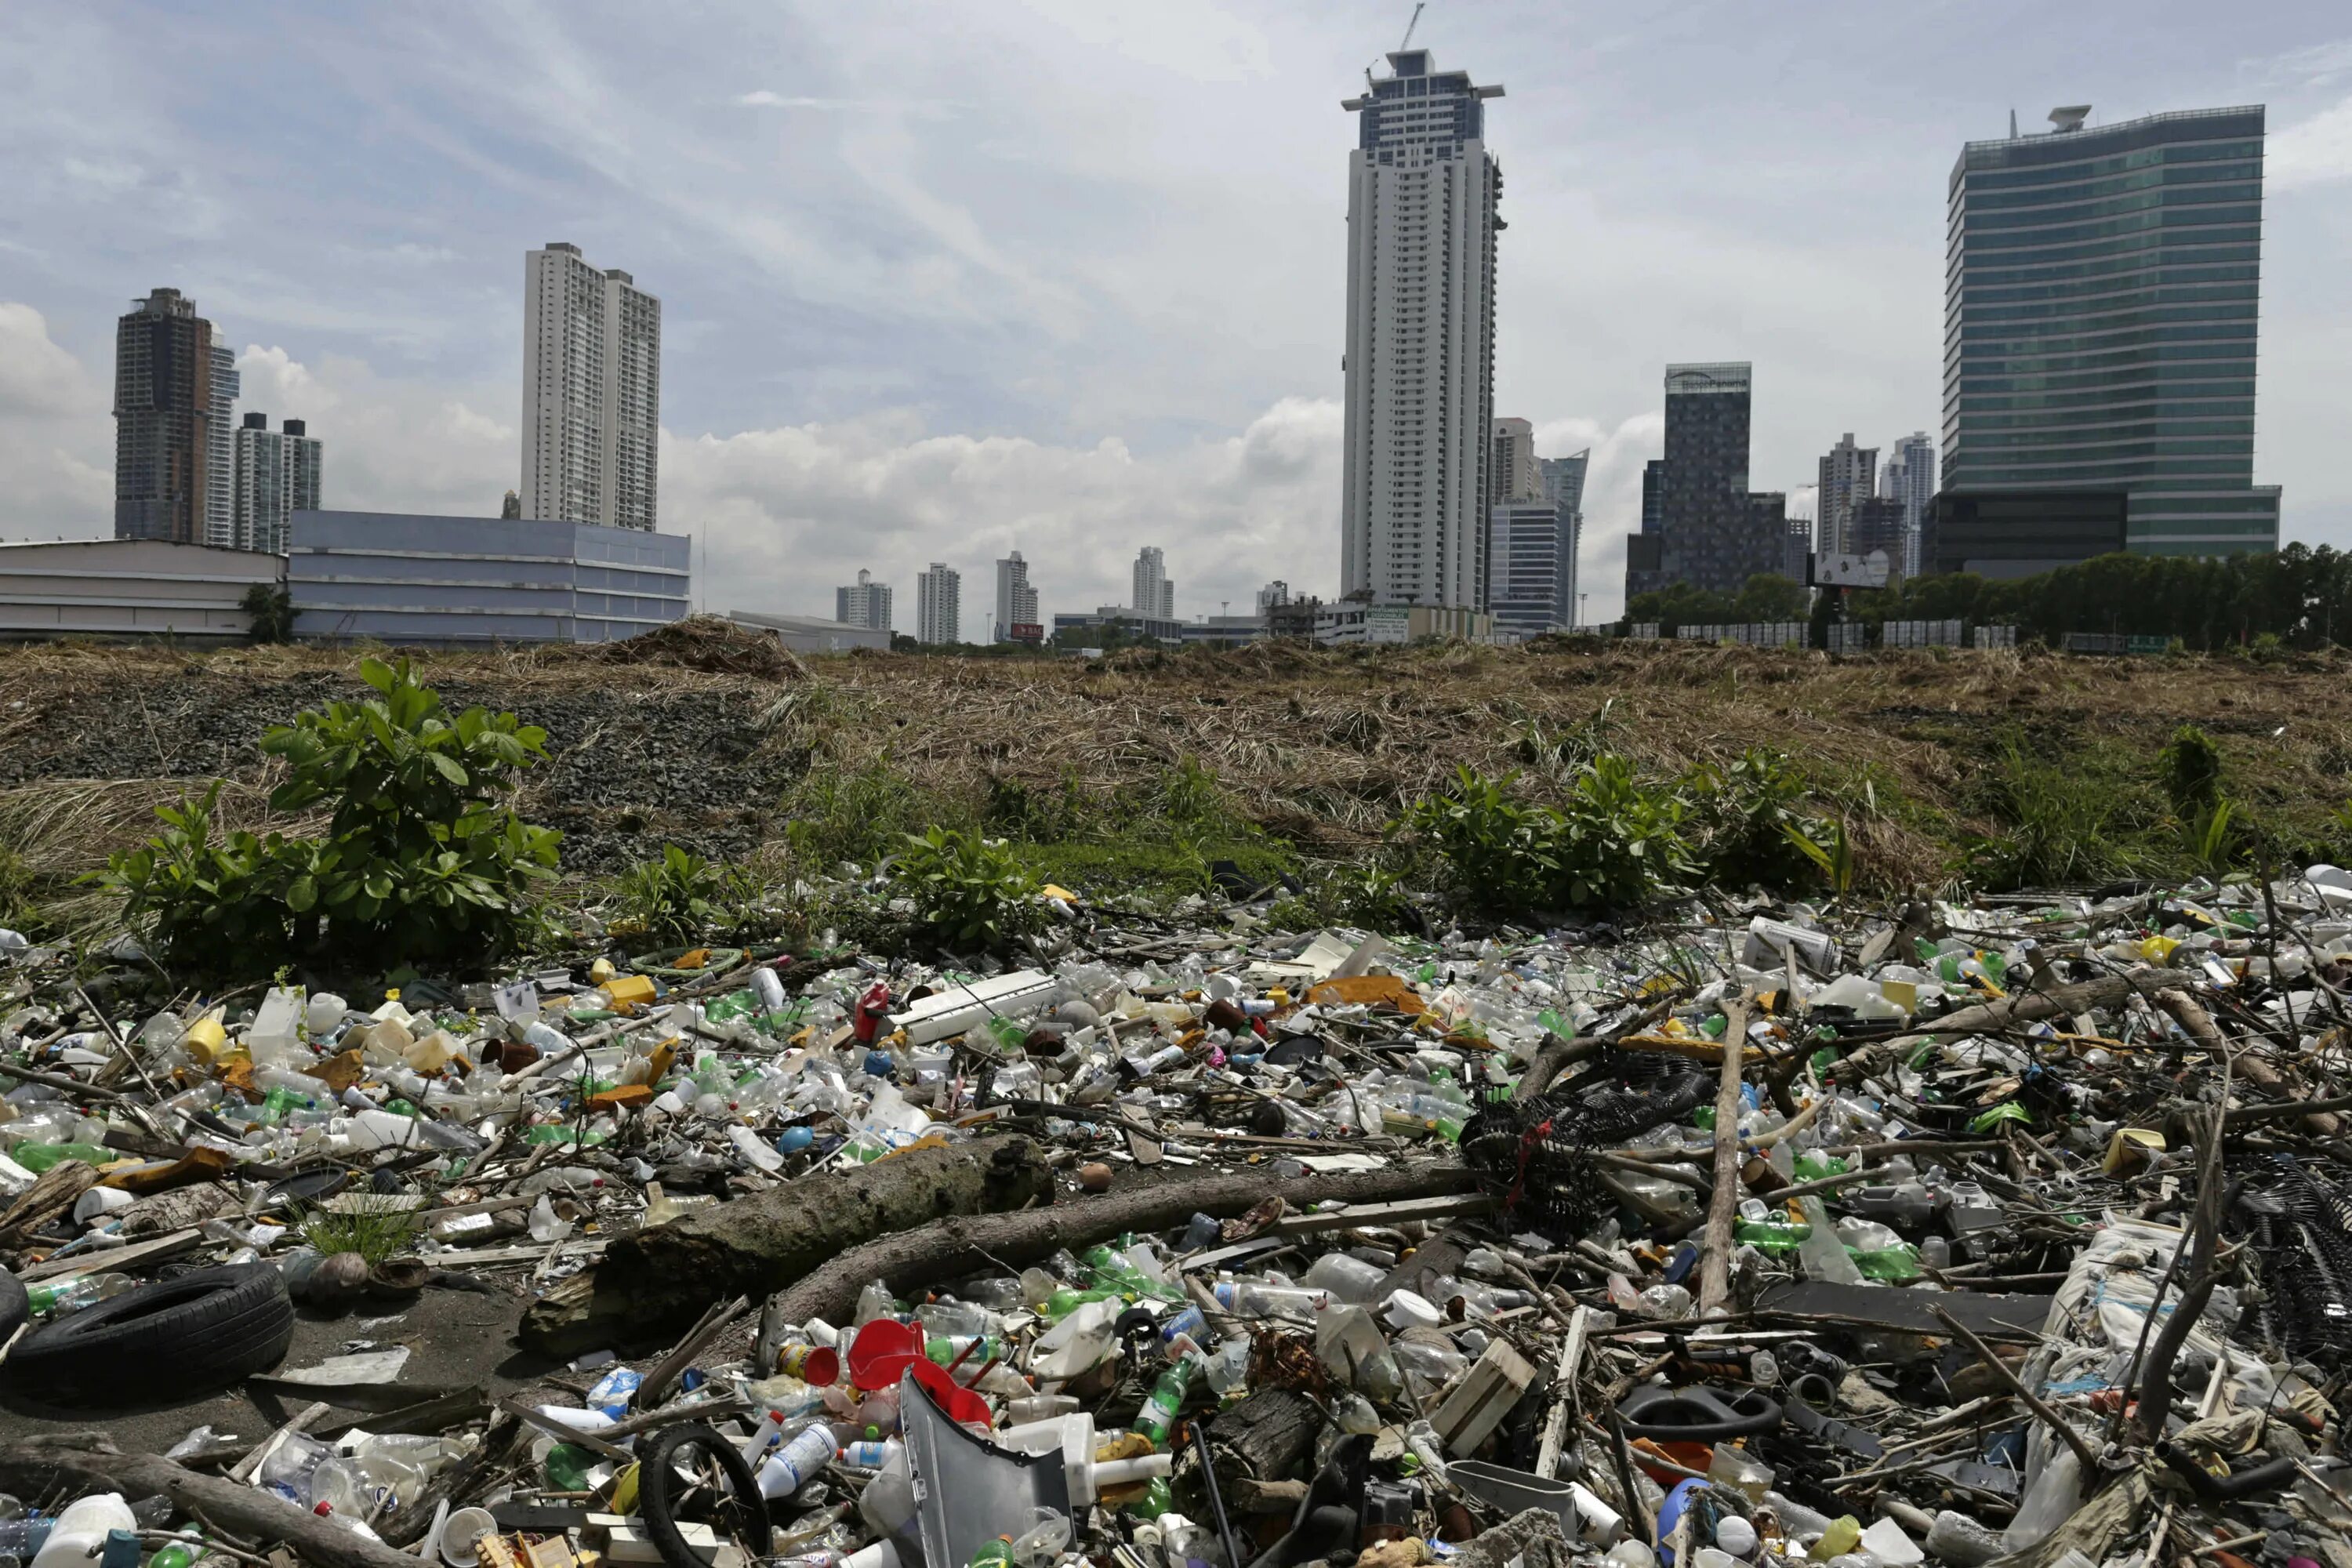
column 2017, row 1231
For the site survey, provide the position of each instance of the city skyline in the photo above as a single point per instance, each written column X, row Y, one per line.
column 827, row 405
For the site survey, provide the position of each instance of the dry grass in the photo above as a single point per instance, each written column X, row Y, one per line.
column 1325, row 747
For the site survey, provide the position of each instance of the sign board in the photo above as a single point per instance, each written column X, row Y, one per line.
column 1025, row 631
column 1851, row 571
column 1388, row 624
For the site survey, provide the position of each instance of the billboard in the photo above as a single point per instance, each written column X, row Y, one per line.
column 1388, row 624
column 1025, row 631
column 1851, row 571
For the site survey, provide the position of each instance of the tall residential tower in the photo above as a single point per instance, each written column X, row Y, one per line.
column 1422, row 194
column 590, row 392
column 1016, row 601
column 938, row 606
column 2102, row 285
column 1154, row 594
column 165, row 408
column 864, row 603
column 278, row 474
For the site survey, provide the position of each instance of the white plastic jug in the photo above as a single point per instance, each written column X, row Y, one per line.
column 80, row 1533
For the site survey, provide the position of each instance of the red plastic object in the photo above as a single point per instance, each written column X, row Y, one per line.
column 963, row 1407
column 872, row 1009
column 882, row 1350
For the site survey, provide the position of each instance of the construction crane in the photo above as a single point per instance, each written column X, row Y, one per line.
column 1409, row 27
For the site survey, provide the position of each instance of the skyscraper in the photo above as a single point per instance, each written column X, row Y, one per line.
column 590, row 392
column 164, row 411
column 1273, row 596
column 938, row 606
column 1016, row 601
column 1154, row 594
column 1908, row 475
column 864, row 602
column 1645, row 551
column 1703, row 512
column 277, row 475
column 220, row 476
column 1422, row 192
column 1514, row 474
column 1848, row 474
column 2100, row 306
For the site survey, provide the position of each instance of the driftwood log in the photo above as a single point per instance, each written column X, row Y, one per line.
column 950, row 1249
column 1265, row 1440
column 78, row 1463
column 1984, row 1017
column 651, row 1287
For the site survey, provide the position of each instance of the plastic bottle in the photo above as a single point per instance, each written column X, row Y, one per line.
column 22, row 1538
column 799, row 1461
column 1824, row 1256
column 1248, row 1298
column 1346, row 1279
column 274, row 1038
column 1961, row 1542
column 69, row 1296
column 181, row 1552
column 1157, row 1415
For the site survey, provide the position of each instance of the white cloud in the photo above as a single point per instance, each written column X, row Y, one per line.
column 2317, row 150
column 785, row 514
column 56, row 436
column 391, row 444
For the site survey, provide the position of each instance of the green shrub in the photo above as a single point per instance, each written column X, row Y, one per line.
column 271, row 611
column 2190, row 767
column 857, row 816
column 421, row 861
column 2061, row 825
column 682, row 897
column 1750, row 824
column 968, row 891
column 1613, row 844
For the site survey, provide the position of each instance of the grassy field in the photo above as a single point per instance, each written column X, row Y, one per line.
column 1140, row 771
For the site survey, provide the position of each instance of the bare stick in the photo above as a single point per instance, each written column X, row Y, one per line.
column 2033, row 1402
column 1714, row 1261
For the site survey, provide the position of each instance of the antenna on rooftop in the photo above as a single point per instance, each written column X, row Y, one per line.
column 1409, row 27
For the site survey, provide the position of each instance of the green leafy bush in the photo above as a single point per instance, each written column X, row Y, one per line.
column 681, row 897
column 1613, row 844
column 1751, row 823
column 421, row 861
column 2059, row 827
column 969, row 892
column 2190, row 768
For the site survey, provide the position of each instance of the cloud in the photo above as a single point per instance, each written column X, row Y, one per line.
column 391, row 444
column 55, row 436
column 1613, row 497
column 784, row 514
column 763, row 99
column 2317, row 150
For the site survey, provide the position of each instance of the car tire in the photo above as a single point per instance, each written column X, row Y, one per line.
column 13, row 1307
column 197, row 1333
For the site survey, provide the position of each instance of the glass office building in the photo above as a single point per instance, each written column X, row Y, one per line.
column 2102, row 285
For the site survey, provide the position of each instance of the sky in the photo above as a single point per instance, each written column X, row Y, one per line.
column 946, row 278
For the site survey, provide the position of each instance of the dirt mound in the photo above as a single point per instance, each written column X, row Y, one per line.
column 711, row 644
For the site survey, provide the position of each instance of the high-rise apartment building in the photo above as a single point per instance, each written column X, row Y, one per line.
column 220, row 476
column 164, row 406
column 864, row 602
column 1908, row 475
column 1876, row 522
column 1016, row 601
column 1848, row 474
column 1512, row 468
column 590, row 392
column 277, row 473
column 1154, row 594
column 2102, row 286
column 1707, row 533
column 1272, row 597
column 938, row 606
column 1532, row 540
column 1422, row 194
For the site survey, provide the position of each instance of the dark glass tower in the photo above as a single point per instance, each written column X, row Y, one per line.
column 2102, row 285
column 1702, row 491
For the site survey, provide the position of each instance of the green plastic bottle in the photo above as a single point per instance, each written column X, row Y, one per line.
column 1157, row 1416
column 180, row 1554
column 40, row 1157
column 567, row 1467
column 1897, row 1265
column 997, row 1553
column 1775, row 1238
